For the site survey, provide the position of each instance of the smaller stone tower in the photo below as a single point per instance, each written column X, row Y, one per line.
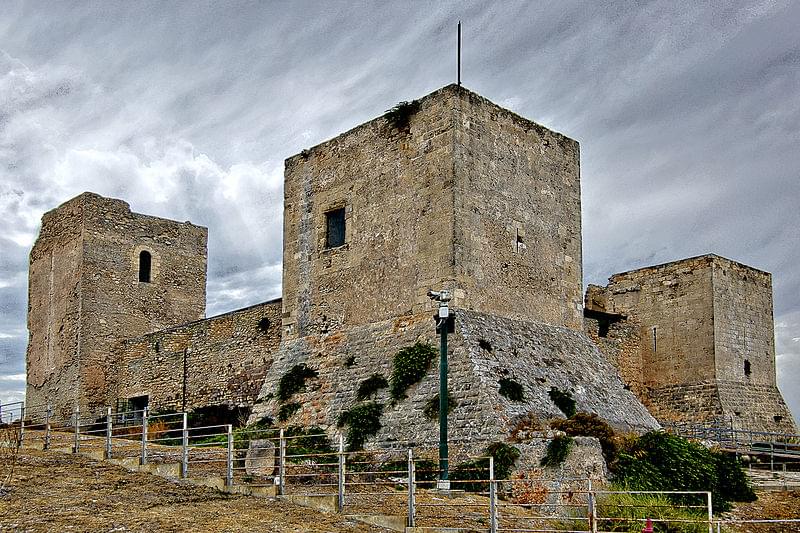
column 100, row 273
column 694, row 339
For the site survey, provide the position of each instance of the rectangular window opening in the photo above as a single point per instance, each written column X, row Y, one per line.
column 335, row 228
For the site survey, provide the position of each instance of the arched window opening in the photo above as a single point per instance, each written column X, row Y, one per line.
column 747, row 370
column 145, row 261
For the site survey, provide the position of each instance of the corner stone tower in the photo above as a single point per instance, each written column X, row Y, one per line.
column 694, row 339
column 100, row 273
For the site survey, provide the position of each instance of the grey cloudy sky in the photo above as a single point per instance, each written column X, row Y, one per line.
column 688, row 114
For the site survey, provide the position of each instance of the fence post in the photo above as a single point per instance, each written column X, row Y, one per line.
column 340, row 499
column 591, row 508
column 77, row 445
column 710, row 513
column 143, row 459
column 229, row 470
column 47, row 428
column 185, row 447
column 109, row 432
column 281, row 462
column 771, row 455
column 492, row 498
column 412, row 482
column 22, row 423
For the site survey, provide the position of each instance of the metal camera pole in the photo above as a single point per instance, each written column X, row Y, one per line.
column 443, row 320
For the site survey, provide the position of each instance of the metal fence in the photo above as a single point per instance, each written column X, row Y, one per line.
column 388, row 479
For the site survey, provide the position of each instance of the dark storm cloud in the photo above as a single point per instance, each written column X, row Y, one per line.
column 688, row 116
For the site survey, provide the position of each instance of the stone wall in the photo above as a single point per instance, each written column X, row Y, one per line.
column 743, row 324
column 483, row 350
column 85, row 294
column 468, row 196
column 674, row 306
column 217, row 361
column 619, row 340
column 517, row 215
column 54, row 309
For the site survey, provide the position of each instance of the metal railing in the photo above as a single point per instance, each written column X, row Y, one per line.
column 386, row 479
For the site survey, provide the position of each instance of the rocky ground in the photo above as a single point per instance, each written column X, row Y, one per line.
column 56, row 492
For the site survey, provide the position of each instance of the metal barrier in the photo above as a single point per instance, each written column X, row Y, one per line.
column 386, row 479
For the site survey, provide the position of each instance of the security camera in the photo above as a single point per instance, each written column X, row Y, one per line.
column 440, row 296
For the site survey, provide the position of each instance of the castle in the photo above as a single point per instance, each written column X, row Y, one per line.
column 447, row 192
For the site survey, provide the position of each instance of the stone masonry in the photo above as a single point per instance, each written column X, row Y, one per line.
column 84, row 294
column 484, row 349
column 218, row 361
column 695, row 340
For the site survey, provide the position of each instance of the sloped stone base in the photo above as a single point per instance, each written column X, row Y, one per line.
column 484, row 349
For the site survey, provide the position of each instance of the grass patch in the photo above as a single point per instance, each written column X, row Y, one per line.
column 408, row 367
column 362, row 421
column 294, row 380
column 370, row 387
column 511, row 390
column 563, row 400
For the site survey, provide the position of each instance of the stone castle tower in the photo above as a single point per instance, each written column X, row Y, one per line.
column 100, row 273
column 695, row 340
column 456, row 193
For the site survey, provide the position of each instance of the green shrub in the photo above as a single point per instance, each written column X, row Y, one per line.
column 294, row 380
column 660, row 461
column 629, row 512
column 311, row 440
column 511, row 390
column 362, row 421
column 408, row 367
column 563, row 400
column 431, row 409
column 557, row 450
column 370, row 387
column 472, row 476
column 287, row 410
column 400, row 115
column 590, row 425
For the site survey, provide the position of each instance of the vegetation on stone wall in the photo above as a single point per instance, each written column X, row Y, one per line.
column 363, row 421
column 294, row 380
column 308, row 441
column 563, row 400
column 399, row 116
column 557, row 450
column 590, row 425
column 408, row 367
column 511, row 389
column 287, row 410
column 431, row 409
column 469, row 475
column 370, row 387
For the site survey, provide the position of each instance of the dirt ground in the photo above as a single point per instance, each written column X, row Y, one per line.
column 772, row 504
column 55, row 492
